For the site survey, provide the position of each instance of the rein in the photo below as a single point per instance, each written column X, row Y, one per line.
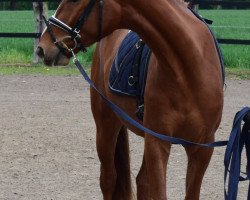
column 244, row 113
column 239, row 138
column 74, row 32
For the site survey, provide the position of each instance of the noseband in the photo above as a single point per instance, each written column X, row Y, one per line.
column 74, row 33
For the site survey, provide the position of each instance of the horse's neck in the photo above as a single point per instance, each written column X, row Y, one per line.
column 167, row 27
column 161, row 24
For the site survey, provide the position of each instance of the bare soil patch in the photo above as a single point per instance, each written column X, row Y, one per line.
column 47, row 142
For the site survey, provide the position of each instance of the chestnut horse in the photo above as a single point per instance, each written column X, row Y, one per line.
column 183, row 95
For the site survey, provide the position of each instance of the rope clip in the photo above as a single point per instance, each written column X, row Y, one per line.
column 74, row 56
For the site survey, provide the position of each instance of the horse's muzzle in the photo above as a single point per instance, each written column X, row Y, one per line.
column 40, row 52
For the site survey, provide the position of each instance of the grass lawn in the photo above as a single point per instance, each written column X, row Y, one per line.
column 238, row 73
column 232, row 24
column 39, row 69
column 227, row 24
column 20, row 50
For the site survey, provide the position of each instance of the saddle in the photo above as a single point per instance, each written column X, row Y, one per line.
column 129, row 70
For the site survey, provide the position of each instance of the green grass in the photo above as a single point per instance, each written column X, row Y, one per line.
column 232, row 24
column 16, row 50
column 238, row 73
column 20, row 51
column 229, row 23
column 29, row 70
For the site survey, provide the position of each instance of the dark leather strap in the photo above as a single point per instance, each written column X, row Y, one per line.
column 53, row 38
column 84, row 15
column 136, row 124
column 74, row 32
column 101, row 2
column 238, row 138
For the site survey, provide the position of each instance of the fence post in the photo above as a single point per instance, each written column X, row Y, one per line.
column 196, row 8
column 39, row 10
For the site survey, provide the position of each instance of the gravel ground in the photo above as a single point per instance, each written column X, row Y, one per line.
column 47, row 142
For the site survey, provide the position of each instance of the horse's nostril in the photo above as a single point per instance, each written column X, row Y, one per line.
column 40, row 52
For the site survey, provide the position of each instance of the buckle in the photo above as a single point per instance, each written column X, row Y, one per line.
column 140, row 112
column 132, row 80
column 138, row 44
column 76, row 30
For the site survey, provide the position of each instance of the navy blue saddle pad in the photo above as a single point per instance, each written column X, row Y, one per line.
column 123, row 67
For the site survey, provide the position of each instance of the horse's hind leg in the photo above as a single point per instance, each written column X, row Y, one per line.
column 122, row 164
column 198, row 160
column 113, row 152
column 142, row 182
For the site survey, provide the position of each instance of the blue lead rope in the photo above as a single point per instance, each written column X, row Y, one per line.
column 128, row 119
column 234, row 146
column 232, row 161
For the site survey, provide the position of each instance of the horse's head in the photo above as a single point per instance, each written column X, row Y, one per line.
column 76, row 24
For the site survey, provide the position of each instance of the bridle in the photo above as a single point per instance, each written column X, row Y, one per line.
column 74, row 32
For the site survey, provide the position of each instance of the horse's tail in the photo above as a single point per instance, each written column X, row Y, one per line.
column 122, row 164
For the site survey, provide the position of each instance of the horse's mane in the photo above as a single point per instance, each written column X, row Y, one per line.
column 183, row 2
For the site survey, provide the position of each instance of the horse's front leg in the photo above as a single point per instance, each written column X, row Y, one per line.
column 106, row 144
column 198, row 160
column 107, row 130
column 113, row 151
column 156, row 158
